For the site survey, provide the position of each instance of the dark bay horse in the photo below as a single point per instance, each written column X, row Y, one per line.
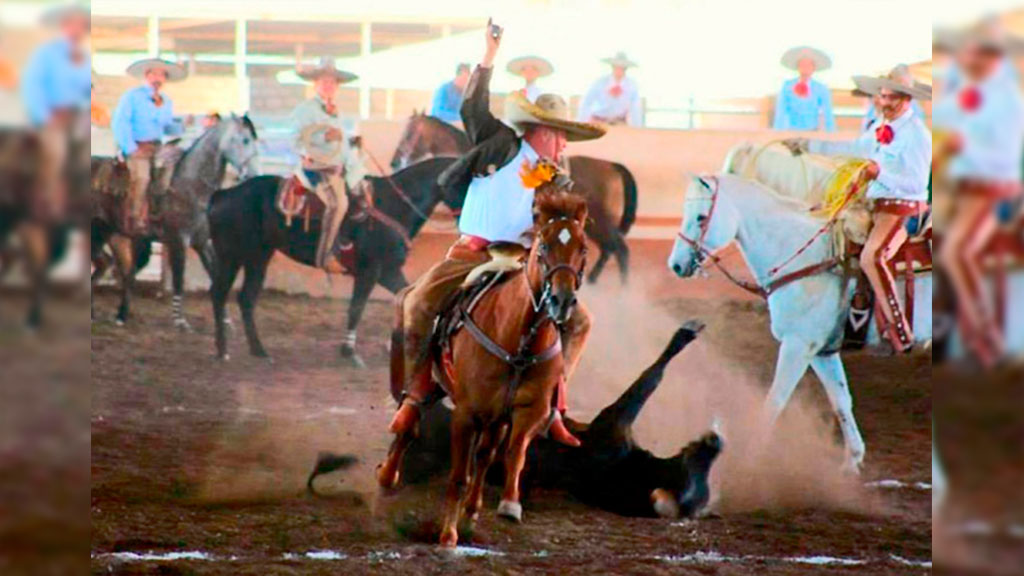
column 196, row 175
column 506, row 363
column 609, row 187
column 609, row 470
column 247, row 228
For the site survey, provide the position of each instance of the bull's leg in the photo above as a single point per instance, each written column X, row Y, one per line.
column 37, row 251
column 364, row 282
column 176, row 253
column 525, row 424
column 794, row 357
column 223, row 280
column 393, row 279
column 486, row 449
column 833, row 376
column 124, row 260
column 463, row 430
column 255, row 273
column 595, row 271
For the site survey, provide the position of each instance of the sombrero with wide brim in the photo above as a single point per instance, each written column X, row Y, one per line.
column 175, row 72
column 620, row 59
column 898, row 79
column 543, row 67
column 548, row 110
column 58, row 14
column 858, row 93
column 990, row 33
column 792, row 57
column 325, row 67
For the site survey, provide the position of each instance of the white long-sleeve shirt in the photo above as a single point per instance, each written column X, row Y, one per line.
column 904, row 164
column 992, row 135
column 600, row 104
column 498, row 207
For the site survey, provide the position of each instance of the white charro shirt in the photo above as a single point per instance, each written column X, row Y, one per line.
column 992, row 134
column 599, row 102
column 498, row 207
column 904, row 165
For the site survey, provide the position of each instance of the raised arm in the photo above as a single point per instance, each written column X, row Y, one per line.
column 476, row 105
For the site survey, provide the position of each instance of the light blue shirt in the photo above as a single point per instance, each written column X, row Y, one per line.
column 904, row 165
column 794, row 112
column 52, row 81
column 599, row 104
column 498, row 207
column 138, row 119
column 992, row 135
column 447, row 103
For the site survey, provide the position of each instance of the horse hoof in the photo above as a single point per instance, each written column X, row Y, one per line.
column 388, row 476
column 510, row 510
column 224, row 357
column 449, row 538
column 349, row 353
column 183, row 326
column 119, row 322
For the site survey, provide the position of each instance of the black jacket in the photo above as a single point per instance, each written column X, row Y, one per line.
column 494, row 143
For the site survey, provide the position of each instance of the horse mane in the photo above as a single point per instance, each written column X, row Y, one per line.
column 558, row 204
column 452, row 130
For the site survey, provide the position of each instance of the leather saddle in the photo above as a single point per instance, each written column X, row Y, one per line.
column 296, row 197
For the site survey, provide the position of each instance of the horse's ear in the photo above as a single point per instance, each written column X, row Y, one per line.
column 703, row 181
column 581, row 213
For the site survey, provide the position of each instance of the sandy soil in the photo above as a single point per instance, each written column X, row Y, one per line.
column 193, row 455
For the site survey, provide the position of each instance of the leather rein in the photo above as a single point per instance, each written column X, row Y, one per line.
column 523, row 360
column 705, row 254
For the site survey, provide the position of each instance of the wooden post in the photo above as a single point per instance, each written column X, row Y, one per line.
column 241, row 71
column 153, row 37
column 365, row 45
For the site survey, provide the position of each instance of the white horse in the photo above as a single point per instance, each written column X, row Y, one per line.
column 808, row 313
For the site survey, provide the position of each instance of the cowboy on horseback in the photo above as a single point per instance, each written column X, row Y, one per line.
column 330, row 161
column 142, row 118
column 900, row 151
column 501, row 174
column 56, row 90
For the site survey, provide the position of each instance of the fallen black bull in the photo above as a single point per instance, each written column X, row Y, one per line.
column 608, row 471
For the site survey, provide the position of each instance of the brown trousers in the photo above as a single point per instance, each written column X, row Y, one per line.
column 50, row 203
column 140, row 173
column 422, row 303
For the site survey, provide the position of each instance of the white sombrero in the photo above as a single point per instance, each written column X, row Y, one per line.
column 620, row 59
column 543, row 67
column 175, row 72
column 991, row 33
column 792, row 57
column 58, row 14
column 898, row 79
column 548, row 110
column 325, row 66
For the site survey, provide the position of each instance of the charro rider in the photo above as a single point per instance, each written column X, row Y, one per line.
column 530, row 68
column 615, row 98
column 804, row 103
column 900, row 150
column 498, row 172
column 330, row 161
column 143, row 116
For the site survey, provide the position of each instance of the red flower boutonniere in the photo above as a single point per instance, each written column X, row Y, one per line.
column 801, row 89
column 615, row 91
column 969, row 99
column 884, row 134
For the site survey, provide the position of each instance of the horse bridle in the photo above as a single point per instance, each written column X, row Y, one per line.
column 699, row 245
column 548, row 271
column 406, row 148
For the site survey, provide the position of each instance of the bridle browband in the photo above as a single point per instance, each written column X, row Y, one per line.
column 548, row 271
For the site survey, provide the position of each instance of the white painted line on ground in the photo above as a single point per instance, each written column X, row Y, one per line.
column 898, row 484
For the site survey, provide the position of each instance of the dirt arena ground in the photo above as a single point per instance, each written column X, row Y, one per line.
column 199, row 466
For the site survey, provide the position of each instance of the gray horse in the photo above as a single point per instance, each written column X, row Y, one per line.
column 182, row 207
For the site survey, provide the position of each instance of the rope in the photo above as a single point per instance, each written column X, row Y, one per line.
column 403, row 196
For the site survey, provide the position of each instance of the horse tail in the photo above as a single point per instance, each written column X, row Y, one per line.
column 629, row 192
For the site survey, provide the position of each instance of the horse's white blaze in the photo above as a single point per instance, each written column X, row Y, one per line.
column 564, row 236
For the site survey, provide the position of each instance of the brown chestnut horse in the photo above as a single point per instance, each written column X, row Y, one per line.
column 506, row 361
column 609, row 187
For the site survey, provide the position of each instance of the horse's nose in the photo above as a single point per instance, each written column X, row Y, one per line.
column 677, row 269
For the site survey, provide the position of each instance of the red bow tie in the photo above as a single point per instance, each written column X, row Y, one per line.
column 615, row 91
column 158, row 100
column 801, row 89
column 969, row 99
column 884, row 134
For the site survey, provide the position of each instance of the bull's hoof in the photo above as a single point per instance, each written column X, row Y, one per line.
column 449, row 538
column 510, row 510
